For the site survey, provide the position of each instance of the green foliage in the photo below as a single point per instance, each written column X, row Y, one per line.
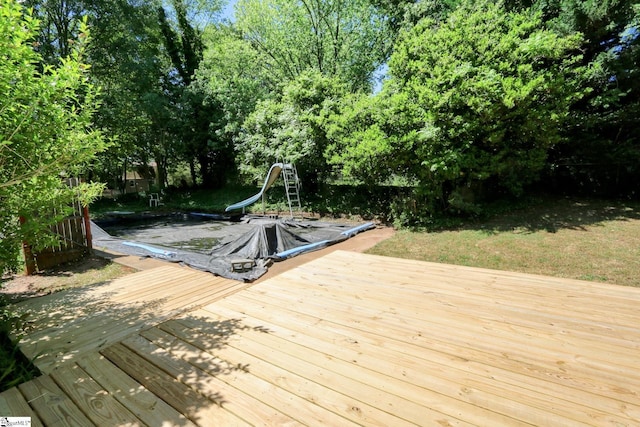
column 367, row 135
column 232, row 79
column 183, row 200
column 603, row 155
column 45, row 132
column 12, row 371
column 354, row 200
column 482, row 98
column 291, row 129
column 404, row 14
column 347, row 39
column 473, row 101
column 128, row 64
column 59, row 23
column 14, row 366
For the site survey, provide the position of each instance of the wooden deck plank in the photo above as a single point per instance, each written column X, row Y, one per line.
column 442, row 314
column 345, row 339
column 562, row 324
column 455, row 339
column 434, row 360
column 308, row 394
column 478, row 287
column 75, row 322
column 198, row 408
column 379, row 390
column 160, row 286
column 412, row 366
column 95, row 402
column 77, row 303
column 455, row 279
column 477, row 399
column 109, row 321
column 205, row 381
column 468, row 330
column 488, row 300
column 589, row 365
column 13, row 404
column 146, row 406
column 51, row 404
column 475, row 287
column 414, row 271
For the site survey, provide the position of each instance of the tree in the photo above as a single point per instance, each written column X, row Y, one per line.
column 45, row 132
column 473, row 103
column 59, row 26
column 338, row 38
column 232, row 79
column 128, row 64
column 404, row 14
column 291, row 128
column 195, row 115
column 603, row 155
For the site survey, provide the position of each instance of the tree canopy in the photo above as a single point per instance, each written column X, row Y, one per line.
column 46, row 132
column 480, row 100
column 290, row 128
column 348, row 39
column 480, row 97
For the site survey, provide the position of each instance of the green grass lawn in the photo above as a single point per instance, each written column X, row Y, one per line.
column 579, row 239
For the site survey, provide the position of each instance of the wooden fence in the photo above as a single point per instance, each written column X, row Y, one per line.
column 74, row 240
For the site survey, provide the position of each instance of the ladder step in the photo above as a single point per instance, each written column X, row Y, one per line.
column 292, row 185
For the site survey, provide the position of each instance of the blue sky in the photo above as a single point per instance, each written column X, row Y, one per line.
column 227, row 11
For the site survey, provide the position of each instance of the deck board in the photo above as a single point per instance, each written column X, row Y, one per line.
column 482, row 334
column 406, row 379
column 84, row 391
column 194, row 405
column 75, row 322
column 347, row 339
column 306, row 401
column 439, row 364
column 13, row 403
column 145, row 405
column 51, row 404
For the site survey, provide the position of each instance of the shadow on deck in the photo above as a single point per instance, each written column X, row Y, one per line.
column 348, row 339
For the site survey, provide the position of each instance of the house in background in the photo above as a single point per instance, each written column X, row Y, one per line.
column 135, row 182
column 142, row 178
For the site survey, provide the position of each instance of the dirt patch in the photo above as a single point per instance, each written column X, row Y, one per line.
column 88, row 271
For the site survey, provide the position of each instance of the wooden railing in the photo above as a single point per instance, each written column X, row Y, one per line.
column 74, row 241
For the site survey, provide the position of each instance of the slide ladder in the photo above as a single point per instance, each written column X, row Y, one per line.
column 291, row 186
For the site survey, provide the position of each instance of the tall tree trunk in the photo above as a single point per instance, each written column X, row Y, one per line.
column 192, row 170
column 205, row 171
column 161, row 169
column 123, row 180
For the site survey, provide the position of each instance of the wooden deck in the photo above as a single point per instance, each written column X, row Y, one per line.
column 68, row 324
column 352, row 339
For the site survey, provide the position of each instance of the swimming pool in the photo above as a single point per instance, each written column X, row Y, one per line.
column 212, row 244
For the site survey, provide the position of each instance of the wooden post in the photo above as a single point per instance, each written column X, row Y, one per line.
column 29, row 260
column 87, row 228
